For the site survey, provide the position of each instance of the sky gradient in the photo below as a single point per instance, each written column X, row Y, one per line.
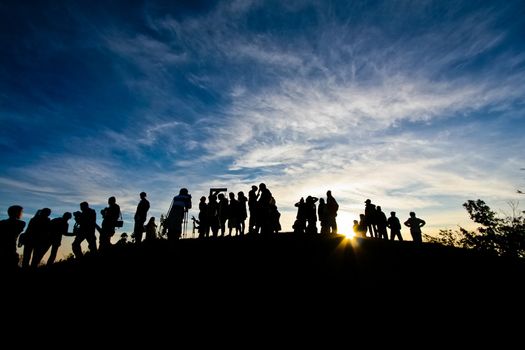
column 418, row 105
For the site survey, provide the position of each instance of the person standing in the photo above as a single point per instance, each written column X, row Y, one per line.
column 370, row 217
column 381, row 223
column 415, row 225
column 59, row 228
column 151, row 229
column 331, row 209
column 110, row 215
column 140, row 217
column 242, row 215
column 233, row 215
column 395, row 226
column 86, row 221
column 253, row 195
column 10, row 230
column 322, row 212
column 36, row 236
column 179, row 206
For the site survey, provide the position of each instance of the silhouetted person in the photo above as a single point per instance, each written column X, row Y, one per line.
column 275, row 218
column 10, row 230
column 263, row 212
column 59, row 228
column 86, row 223
column 311, row 215
column 370, row 217
column 179, row 206
column 213, row 215
column 252, row 207
column 381, row 223
column 322, row 211
column 415, row 225
column 151, row 229
column 242, row 215
column 36, row 237
column 362, row 225
column 355, row 228
column 395, row 226
column 204, row 226
column 331, row 211
column 233, row 215
column 110, row 216
column 140, row 217
column 123, row 240
column 223, row 212
column 300, row 223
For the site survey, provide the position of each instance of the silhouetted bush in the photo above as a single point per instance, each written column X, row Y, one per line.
column 496, row 235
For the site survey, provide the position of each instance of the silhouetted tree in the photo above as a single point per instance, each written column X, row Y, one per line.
column 496, row 235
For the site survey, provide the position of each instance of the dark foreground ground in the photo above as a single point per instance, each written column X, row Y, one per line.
column 239, row 267
column 284, row 279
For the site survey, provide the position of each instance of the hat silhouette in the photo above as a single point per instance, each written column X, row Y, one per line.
column 368, row 201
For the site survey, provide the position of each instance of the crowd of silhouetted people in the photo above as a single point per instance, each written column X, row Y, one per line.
column 375, row 222
column 219, row 216
column 213, row 215
column 307, row 215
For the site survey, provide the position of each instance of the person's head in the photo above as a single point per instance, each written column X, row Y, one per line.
column 203, row 199
column 329, row 193
column 183, row 191
column 321, row 201
column 84, row 206
column 262, row 186
column 368, row 201
column 67, row 215
column 356, row 222
column 362, row 216
column 378, row 208
column 112, row 200
column 142, row 195
column 212, row 198
column 221, row 196
column 45, row 212
column 392, row 213
column 240, row 194
column 232, row 195
column 152, row 220
column 254, row 187
column 15, row 212
column 412, row 214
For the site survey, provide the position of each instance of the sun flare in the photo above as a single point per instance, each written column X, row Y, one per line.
column 345, row 226
column 348, row 234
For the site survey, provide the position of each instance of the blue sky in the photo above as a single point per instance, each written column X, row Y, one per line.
column 418, row 105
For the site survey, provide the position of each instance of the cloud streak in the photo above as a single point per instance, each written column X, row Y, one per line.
column 418, row 108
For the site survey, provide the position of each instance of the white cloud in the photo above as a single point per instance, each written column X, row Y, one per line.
column 336, row 110
column 342, row 118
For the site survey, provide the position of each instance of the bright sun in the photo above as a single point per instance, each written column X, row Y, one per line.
column 348, row 234
column 345, row 226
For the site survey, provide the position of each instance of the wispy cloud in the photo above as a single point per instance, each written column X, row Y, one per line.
column 416, row 107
